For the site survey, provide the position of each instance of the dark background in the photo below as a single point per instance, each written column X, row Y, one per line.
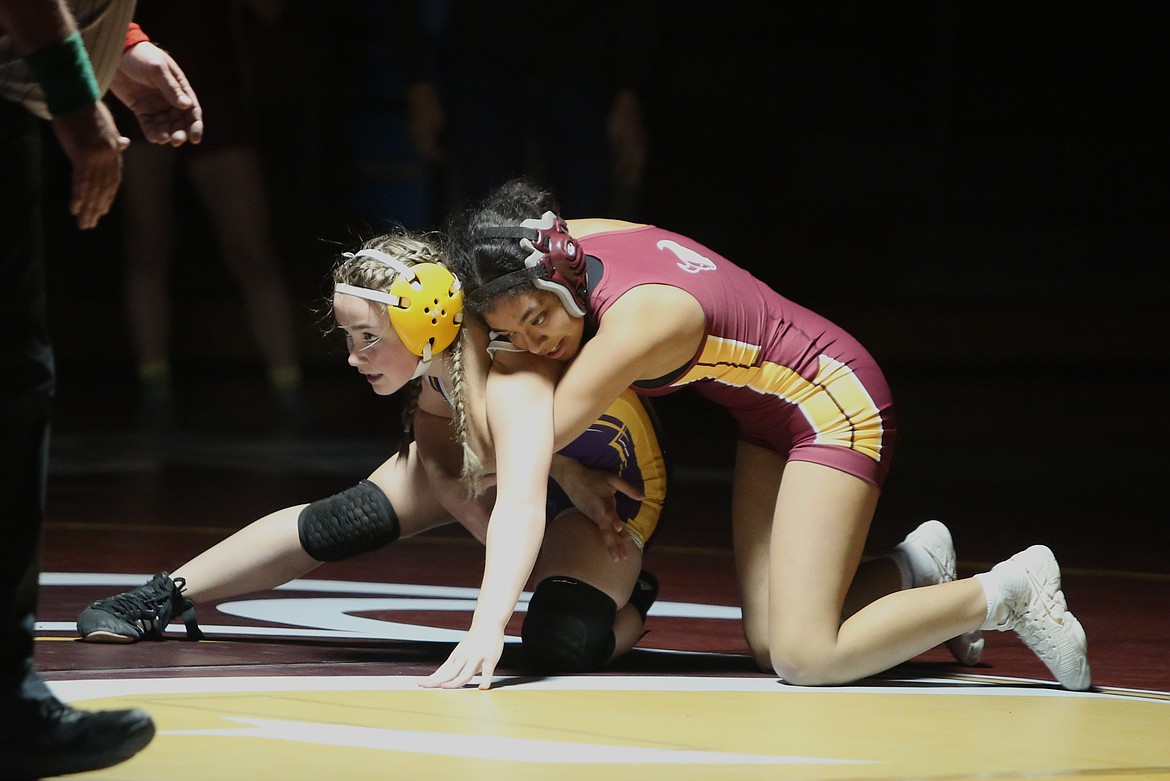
column 978, row 191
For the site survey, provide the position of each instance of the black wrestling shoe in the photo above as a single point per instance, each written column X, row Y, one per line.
column 645, row 593
column 141, row 614
column 48, row 738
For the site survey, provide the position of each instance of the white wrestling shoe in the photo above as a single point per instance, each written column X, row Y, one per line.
column 1032, row 604
column 933, row 539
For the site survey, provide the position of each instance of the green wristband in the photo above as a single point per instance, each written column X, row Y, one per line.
column 65, row 75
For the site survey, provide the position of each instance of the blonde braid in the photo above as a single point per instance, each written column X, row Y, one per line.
column 409, row 248
column 410, row 394
column 472, row 463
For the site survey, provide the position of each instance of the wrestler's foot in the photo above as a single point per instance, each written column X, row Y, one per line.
column 1030, row 602
column 140, row 614
column 932, row 561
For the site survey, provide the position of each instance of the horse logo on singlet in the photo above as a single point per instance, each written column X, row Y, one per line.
column 688, row 260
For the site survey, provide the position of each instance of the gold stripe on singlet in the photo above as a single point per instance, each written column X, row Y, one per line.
column 835, row 402
column 628, row 411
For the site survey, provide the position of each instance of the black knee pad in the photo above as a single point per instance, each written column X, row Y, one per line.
column 357, row 520
column 569, row 627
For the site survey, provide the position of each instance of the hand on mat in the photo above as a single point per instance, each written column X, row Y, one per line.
column 479, row 650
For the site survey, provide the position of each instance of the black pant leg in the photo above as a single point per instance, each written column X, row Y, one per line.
column 26, row 389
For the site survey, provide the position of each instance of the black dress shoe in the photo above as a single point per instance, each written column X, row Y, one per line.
column 48, row 738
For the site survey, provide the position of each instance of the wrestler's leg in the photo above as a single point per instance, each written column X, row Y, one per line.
column 821, row 520
column 580, row 616
column 268, row 552
column 264, row 554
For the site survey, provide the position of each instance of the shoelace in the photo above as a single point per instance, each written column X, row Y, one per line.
column 131, row 603
column 152, row 597
column 187, row 610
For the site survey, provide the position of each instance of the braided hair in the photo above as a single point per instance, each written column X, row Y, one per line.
column 473, row 468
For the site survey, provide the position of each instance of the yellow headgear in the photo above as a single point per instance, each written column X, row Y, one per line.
column 425, row 303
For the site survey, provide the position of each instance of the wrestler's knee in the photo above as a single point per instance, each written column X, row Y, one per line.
column 356, row 520
column 755, row 632
column 801, row 662
column 569, row 627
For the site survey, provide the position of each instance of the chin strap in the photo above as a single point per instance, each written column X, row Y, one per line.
column 424, row 362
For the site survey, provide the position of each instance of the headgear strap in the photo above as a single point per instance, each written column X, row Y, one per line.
column 555, row 261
